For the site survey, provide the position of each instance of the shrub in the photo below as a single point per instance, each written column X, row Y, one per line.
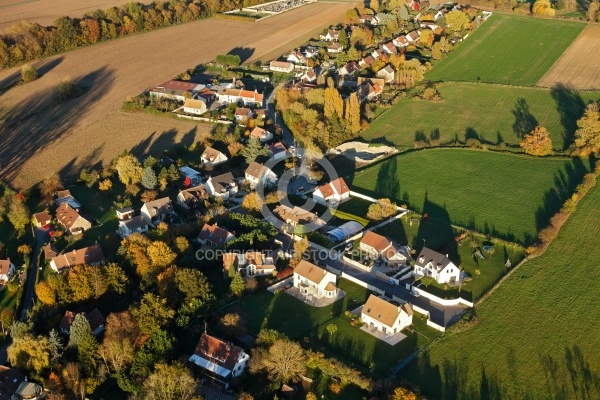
column 67, row 89
column 472, row 142
column 28, row 73
column 287, row 271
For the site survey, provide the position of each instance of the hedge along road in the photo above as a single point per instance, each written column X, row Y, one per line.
column 40, row 138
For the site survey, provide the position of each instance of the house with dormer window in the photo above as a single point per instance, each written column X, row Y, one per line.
column 437, row 266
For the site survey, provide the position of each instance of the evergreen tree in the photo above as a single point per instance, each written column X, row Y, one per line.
column 237, row 285
column 343, row 37
column 149, row 179
column 253, row 149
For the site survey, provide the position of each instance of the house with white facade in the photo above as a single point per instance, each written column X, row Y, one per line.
column 378, row 314
column 133, row 225
column 378, row 246
column 42, row 219
column 401, row 41
column 251, row 262
column 296, row 57
column 257, row 173
column 243, row 114
column 91, row 255
column 220, row 360
column 261, row 134
column 71, row 220
column 387, row 74
column 124, row 213
column 333, row 192
column 335, row 48
column 223, row 186
column 212, row 157
column 277, row 151
column 437, row 266
column 157, row 210
column 281, row 66
column 314, row 281
column 194, row 106
column 214, row 236
column 234, row 95
column 331, row 35
column 7, row 270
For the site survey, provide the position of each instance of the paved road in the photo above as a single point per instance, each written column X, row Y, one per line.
column 41, row 238
column 288, row 137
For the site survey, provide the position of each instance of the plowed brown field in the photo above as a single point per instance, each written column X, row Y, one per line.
column 45, row 12
column 38, row 138
column 579, row 66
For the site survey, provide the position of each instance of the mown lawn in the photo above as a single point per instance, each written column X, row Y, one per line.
column 537, row 335
column 508, row 49
column 307, row 324
column 508, row 196
column 490, row 113
column 441, row 237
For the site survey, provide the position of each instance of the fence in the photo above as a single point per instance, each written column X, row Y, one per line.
column 444, row 302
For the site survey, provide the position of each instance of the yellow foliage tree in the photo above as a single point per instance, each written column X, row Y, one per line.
column 45, row 293
column 543, row 7
column 401, row 393
column 537, row 143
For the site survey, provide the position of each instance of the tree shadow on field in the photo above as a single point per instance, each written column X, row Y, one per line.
column 436, row 232
column 570, row 107
column 244, row 52
column 45, row 66
column 38, row 121
column 388, row 181
column 525, row 122
column 42, row 67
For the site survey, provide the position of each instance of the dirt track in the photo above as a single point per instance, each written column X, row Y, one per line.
column 45, row 12
column 37, row 138
column 579, row 66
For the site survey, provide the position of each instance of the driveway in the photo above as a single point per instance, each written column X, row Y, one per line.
column 288, row 137
column 41, row 238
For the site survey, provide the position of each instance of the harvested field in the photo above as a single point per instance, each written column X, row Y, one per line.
column 579, row 66
column 45, row 12
column 38, row 138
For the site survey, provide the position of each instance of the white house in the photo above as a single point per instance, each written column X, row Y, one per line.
column 378, row 314
column 257, row 173
column 219, row 359
column 311, row 51
column 91, row 255
column 309, row 76
column 387, row 74
column 349, row 68
column 335, row 48
column 212, row 157
column 134, row 225
column 437, row 266
column 214, row 235
column 296, row 57
column 222, row 186
column 277, row 151
column 389, row 48
column 380, row 246
column 243, row 114
column 157, row 210
column 125, row 213
column 42, row 219
column 192, row 198
column 331, row 35
column 7, row 270
column 281, row 66
column 193, row 106
column 261, row 134
column 401, row 41
column 233, row 95
column 333, row 192
column 252, row 262
column 312, row 280
column 413, row 36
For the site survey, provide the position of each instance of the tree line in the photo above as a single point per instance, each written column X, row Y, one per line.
column 28, row 40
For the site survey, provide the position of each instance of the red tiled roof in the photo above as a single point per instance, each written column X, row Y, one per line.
column 214, row 234
column 218, row 351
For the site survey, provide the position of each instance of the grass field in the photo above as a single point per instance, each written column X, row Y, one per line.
column 349, row 344
column 509, row 196
column 537, row 335
column 508, row 49
column 509, row 112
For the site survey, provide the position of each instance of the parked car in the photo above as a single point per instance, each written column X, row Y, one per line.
column 415, row 293
column 349, row 246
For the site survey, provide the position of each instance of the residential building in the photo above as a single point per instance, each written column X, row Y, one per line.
column 71, row 220
column 335, row 48
column 219, row 360
column 246, row 97
column 387, row 74
column 212, row 157
column 331, row 35
column 401, row 41
column 7, row 270
column 243, row 114
column 223, row 186
column 296, row 57
column 390, row 48
column 368, row 91
column 125, row 213
column 413, row 36
column 175, row 90
column 309, row 76
column 281, row 66
column 10, row 380
column 312, row 280
column 194, row 106
column 251, row 262
column 50, row 251
column 193, row 198
column 311, row 51
column 91, row 255
column 378, row 314
column 214, row 236
column 366, row 62
column 333, row 192
column 296, row 216
column 437, row 266
column 380, row 246
column 28, row 391
column 350, row 68
column 257, row 173
column 134, row 225
column 261, row 114
column 42, row 219
column 261, row 134
column 195, row 178
column 277, row 151
column 157, row 210
column 64, row 196
column 94, row 317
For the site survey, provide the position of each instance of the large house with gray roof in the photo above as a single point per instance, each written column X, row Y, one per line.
column 437, row 266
